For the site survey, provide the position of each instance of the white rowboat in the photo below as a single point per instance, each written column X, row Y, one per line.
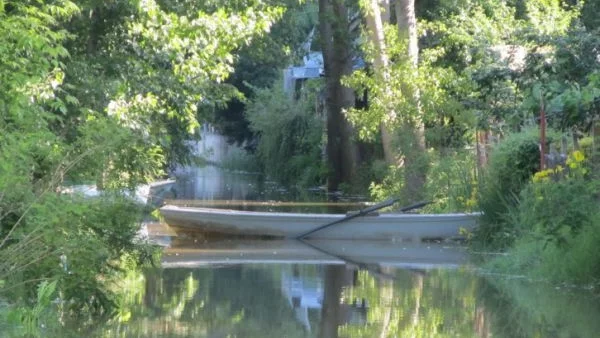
column 385, row 226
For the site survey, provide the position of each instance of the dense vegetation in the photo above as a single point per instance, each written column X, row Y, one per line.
column 104, row 93
column 438, row 99
column 452, row 96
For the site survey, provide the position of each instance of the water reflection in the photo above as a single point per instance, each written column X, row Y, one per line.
column 212, row 183
column 272, row 298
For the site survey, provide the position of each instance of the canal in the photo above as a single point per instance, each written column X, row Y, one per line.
column 252, row 288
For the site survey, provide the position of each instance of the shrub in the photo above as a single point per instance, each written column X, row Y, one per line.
column 512, row 164
column 77, row 242
column 557, row 225
column 555, row 211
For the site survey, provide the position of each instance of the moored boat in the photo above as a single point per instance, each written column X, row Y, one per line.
column 385, row 226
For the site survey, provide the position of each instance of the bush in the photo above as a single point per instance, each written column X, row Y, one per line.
column 451, row 182
column 75, row 241
column 558, row 234
column 557, row 226
column 555, row 211
column 512, row 164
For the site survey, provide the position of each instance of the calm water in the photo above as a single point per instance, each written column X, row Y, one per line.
column 334, row 289
column 235, row 288
column 192, row 297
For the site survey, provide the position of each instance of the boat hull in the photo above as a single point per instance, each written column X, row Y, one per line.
column 412, row 227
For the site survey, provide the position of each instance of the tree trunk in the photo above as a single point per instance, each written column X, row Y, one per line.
column 595, row 158
column 385, row 11
column 407, row 27
column 333, row 313
column 374, row 21
column 94, row 28
column 342, row 152
column 415, row 149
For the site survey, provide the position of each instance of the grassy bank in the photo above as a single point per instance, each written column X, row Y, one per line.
column 547, row 221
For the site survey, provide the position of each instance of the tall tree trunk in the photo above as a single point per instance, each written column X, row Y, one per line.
column 342, row 151
column 407, row 27
column 374, row 21
column 94, row 30
column 385, row 11
column 415, row 149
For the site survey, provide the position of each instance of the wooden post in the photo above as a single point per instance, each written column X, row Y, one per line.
column 482, row 144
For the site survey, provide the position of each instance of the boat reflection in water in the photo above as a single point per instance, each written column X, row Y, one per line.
column 331, row 289
column 320, row 280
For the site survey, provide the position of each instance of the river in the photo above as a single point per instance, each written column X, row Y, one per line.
column 249, row 288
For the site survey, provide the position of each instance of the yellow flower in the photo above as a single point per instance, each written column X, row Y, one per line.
column 575, row 159
column 578, row 156
column 541, row 176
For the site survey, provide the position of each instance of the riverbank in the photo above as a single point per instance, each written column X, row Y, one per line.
column 65, row 254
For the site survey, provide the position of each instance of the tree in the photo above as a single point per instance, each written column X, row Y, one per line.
column 415, row 149
column 375, row 28
column 336, row 45
column 259, row 64
column 396, row 98
column 160, row 65
column 104, row 90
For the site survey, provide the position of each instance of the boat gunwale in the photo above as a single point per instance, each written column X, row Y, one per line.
column 233, row 212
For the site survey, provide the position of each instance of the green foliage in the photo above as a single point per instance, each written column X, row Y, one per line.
column 391, row 184
column 566, row 80
column 240, row 159
column 451, row 186
column 553, row 228
column 74, row 240
column 589, row 15
column 558, row 226
column 512, row 164
column 259, row 63
column 160, row 66
column 556, row 211
column 551, row 17
column 290, row 136
column 452, row 183
column 30, row 319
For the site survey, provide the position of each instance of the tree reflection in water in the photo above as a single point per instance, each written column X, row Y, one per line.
column 338, row 301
